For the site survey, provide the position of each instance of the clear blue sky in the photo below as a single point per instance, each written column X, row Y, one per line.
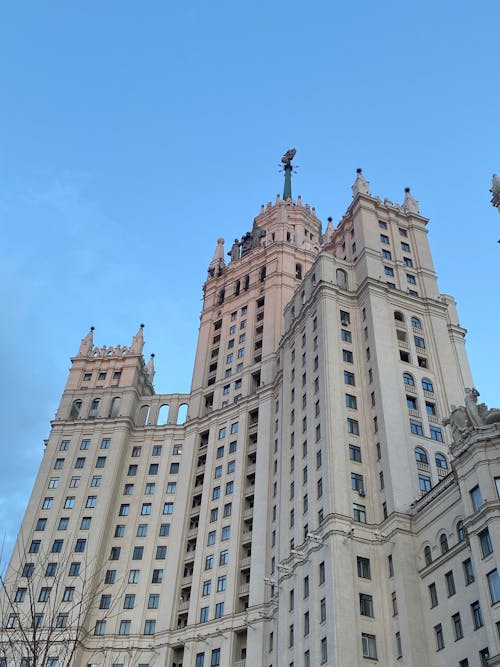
column 132, row 135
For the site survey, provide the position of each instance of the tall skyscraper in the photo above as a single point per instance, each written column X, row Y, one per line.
column 317, row 498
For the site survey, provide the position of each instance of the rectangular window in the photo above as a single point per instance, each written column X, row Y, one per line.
column 477, row 616
column 476, row 498
column 365, row 604
column 352, row 426
column 438, row 633
column 405, row 246
column 433, row 595
column 485, row 542
column 351, row 402
column 450, row 583
column 369, row 646
column 355, row 453
column 457, row 626
column 468, row 571
column 359, row 512
column 494, row 586
column 416, row 427
column 349, row 378
column 384, row 239
column 364, row 570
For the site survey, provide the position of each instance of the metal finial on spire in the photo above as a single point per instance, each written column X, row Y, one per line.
column 288, row 168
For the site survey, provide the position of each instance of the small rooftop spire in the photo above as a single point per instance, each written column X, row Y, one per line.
column 150, row 367
column 328, row 235
column 87, row 344
column 288, row 168
column 138, row 341
column 360, row 185
column 217, row 264
column 410, row 204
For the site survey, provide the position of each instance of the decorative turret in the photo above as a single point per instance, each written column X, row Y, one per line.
column 360, row 185
column 150, row 368
column 329, row 231
column 410, row 204
column 87, row 344
column 217, row 264
column 138, row 341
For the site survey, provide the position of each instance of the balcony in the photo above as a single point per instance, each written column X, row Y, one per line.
column 244, row 589
column 433, row 418
column 425, row 467
column 248, row 513
column 240, row 663
column 246, row 562
column 183, row 605
column 413, row 413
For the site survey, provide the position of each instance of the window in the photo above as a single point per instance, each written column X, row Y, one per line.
column 355, row 453
column 74, row 482
column 411, row 403
column 20, row 595
column 468, row 571
column 388, row 271
column 133, row 576
column 369, row 645
column 357, row 482
column 168, row 508
column 124, row 510
column 124, row 628
column 157, row 576
column 438, row 633
column 477, row 616
column 484, row 655
column 476, row 498
column 351, row 402
column 74, row 569
column 386, row 254
column 50, row 570
column 410, row 279
column 359, row 512
column 384, row 239
column 153, row 469
column 365, row 604
column 229, row 488
column 349, row 378
column 226, row 532
column 441, row 462
column 416, row 427
column 433, row 595
column 69, row 594
column 35, row 546
column 364, row 570
column 171, row 487
column 450, row 583
column 80, row 545
column 91, row 501
column 430, row 408
column 129, row 601
column 28, row 569
column 57, row 546
column 405, row 246
column 408, row 262
column 96, row 480
column 80, row 461
column 485, row 542
column 419, row 342
column 494, row 586
column 443, row 541
column 47, row 503
column 436, row 433
column 427, row 555
column 219, row 610
column 115, row 553
column 100, row 626
column 424, row 483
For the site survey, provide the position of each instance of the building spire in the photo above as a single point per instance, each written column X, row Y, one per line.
column 410, row 204
column 217, row 264
column 288, row 168
column 361, row 185
column 138, row 341
column 150, row 367
column 87, row 344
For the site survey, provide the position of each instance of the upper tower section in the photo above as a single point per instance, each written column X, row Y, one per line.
column 253, row 282
column 101, row 377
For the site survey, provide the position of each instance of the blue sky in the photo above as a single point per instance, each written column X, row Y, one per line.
column 132, row 135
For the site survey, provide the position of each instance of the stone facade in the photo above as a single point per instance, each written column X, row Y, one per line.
column 306, row 503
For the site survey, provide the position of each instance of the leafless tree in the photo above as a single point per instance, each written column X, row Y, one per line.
column 44, row 608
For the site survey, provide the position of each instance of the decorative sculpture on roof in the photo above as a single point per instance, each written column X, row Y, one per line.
column 474, row 416
column 251, row 240
column 234, row 253
column 288, row 156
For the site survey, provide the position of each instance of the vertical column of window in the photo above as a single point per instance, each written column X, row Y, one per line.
column 259, row 329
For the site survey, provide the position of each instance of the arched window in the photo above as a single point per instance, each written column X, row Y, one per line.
column 182, row 413
column 441, row 461
column 94, row 408
column 416, row 323
column 114, row 407
column 421, row 455
column 399, row 316
column 143, row 415
column 460, row 531
column 408, row 379
column 163, row 414
column 298, row 271
column 221, row 297
column 75, row 410
column 427, row 385
column 427, row 555
column 443, row 541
